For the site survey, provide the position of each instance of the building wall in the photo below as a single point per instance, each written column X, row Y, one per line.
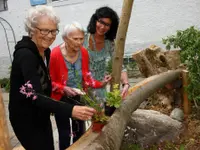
column 151, row 20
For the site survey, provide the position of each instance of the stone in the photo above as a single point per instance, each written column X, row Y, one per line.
column 177, row 114
column 148, row 127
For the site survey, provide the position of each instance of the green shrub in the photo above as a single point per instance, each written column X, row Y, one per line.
column 189, row 42
column 4, row 82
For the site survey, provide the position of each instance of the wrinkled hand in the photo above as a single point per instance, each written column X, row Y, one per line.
column 83, row 112
column 106, row 79
column 125, row 91
column 70, row 91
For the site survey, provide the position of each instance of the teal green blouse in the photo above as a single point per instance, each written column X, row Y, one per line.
column 98, row 62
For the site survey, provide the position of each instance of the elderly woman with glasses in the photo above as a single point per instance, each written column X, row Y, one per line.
column 99, row 41
column 69, row 70
column 30, row 89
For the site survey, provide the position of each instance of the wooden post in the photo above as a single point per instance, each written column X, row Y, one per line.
column 4, row 135
column 120, row 40
column 186, row 102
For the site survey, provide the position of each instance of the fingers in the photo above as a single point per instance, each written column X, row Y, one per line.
column 124, row 91
column 73, row 92
column 107, row 78
column 69, row 91
column 83, row 112
column 89, row 111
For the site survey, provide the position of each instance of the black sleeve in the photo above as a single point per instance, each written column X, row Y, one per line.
column 29, row 63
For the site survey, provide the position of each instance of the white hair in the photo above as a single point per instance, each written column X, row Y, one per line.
column 35, row 13
column 71, row 27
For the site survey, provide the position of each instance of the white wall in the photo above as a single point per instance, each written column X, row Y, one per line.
column 151, row 20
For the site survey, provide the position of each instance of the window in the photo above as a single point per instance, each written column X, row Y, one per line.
column 3, row 5
column 58, row 3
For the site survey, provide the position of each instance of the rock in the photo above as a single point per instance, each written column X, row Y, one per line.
column 177, row 114
column 148, row 127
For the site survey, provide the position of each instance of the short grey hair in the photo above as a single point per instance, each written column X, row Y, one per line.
column 34, row 15
column 72, row 27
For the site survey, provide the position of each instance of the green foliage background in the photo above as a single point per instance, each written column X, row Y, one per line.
column 188, row 41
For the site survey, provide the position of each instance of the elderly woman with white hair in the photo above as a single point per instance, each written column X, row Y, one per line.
column 69, row 69
column 29, row 111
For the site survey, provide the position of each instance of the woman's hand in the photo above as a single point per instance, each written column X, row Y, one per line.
column 83, row 112
column 125, row 90
column 106, row 79
column 70, row 91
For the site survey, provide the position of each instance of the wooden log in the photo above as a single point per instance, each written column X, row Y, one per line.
column 4, row 134
column 111, row 136
column 144, row 65
column 186, row 101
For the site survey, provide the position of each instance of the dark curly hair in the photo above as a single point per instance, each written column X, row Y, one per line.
column 104, row 12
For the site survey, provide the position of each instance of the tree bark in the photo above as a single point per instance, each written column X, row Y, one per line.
column 120, row 40
column 154, row 60
column 111, row 136
column 4, row 135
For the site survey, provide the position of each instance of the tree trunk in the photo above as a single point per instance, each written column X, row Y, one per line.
column 154, row 60
column 4, row 135
column 120, row 40
column 111, row 136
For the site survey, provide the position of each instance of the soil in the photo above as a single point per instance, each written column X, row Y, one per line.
column 189, row 139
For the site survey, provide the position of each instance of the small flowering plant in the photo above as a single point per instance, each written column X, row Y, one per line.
column 27, row 89
column 92, row 101
column 29, row 92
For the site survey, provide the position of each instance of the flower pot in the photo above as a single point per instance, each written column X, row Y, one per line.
column 109, row 110
column 97, row 126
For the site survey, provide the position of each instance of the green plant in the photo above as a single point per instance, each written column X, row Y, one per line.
column 100, row 117
column 189, row 42
column 4, row 82
column 114, row 98
column 91, row 100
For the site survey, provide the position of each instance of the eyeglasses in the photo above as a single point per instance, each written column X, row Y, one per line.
column 46, row 31
column 104, row 23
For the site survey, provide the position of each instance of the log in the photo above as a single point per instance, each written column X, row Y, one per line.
column 4, row 134
column 154, row 60
column 111, row 136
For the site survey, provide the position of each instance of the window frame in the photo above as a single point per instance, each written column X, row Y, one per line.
column 5, row 5
column 59, row 3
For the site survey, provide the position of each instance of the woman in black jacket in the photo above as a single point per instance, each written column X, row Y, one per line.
column 30, row 118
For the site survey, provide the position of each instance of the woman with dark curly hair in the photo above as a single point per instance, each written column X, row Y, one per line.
column 99, row 41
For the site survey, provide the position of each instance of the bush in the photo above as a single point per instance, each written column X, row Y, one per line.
column 4, row 82
column 189, row 42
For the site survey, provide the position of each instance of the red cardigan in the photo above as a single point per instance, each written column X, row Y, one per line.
column 59, row 72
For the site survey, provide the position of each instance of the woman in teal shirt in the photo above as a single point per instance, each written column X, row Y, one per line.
column 99, row 41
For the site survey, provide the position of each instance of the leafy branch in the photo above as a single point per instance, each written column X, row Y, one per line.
column 189, row 42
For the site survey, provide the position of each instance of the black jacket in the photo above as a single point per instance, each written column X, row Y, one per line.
column 28, row 65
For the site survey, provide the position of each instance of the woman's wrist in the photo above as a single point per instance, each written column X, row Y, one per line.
column 126, row 83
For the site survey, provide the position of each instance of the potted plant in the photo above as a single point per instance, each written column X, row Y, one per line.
column 98, row 121
column 113, row 100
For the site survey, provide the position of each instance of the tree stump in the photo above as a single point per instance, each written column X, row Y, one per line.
column 154, row 60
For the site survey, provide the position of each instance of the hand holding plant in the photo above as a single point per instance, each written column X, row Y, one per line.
column 106, row 79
